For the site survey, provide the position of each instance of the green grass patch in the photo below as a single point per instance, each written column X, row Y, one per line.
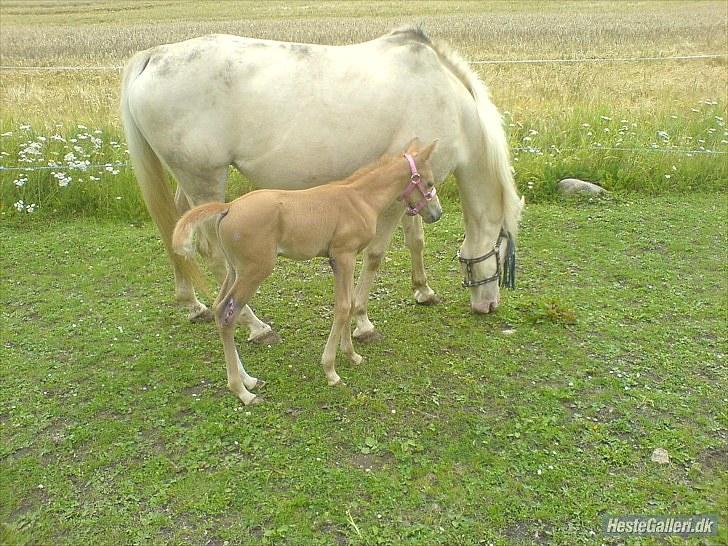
column 525, row 426
column 81, row 170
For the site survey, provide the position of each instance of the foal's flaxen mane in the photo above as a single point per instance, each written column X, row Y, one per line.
column 369, row 167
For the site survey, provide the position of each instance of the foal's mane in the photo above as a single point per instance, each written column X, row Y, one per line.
column 368, row 168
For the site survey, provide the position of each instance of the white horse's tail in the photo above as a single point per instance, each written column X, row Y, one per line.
column 150, row 175
column 188, row 224
column 498, row 164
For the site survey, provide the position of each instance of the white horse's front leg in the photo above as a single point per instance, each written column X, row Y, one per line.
column 414, row 239
column 373, row 255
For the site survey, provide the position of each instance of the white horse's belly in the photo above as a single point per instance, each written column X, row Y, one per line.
column 290, row 115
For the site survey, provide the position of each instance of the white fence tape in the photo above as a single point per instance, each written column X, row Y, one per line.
column 534, row 150
column 501, row 61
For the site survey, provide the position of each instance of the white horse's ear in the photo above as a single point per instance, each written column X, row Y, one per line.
column 412, row 146
column 425, row 154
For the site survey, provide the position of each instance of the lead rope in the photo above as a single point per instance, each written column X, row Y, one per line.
column 508, row 279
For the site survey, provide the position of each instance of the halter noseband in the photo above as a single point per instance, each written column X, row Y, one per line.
column 416, row 182
column 506, row 277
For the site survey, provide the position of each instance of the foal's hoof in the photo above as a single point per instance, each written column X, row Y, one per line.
column 426, row 297
column 370, row 336
column 255, row 401
column 266, row 338
column 201, row 314
column 259, row 384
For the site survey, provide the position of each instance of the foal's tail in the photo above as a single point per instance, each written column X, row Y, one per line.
column 187, row 225
column 150, row 174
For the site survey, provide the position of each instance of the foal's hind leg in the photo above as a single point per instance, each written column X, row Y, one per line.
column 414, row 239
column 226, row 315
column 249, row 381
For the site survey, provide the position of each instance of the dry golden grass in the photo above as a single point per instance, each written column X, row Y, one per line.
column 85, row 33
column 101, row 33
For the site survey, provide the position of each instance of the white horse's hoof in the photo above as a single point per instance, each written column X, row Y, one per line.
column 426, row 296
column 256, row 384
column 356, row 358
column 269, row 337
column 368, row 336
column 200, row 314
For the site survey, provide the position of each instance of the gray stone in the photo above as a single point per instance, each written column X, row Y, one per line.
column 574, row 185
column 660, row 456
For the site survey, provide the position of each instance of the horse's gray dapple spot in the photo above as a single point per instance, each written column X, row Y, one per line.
column 300, row 50
column 574, row 185
column 194, row 54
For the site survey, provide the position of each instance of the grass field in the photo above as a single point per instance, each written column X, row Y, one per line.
column 522, row 427
column 527, row 426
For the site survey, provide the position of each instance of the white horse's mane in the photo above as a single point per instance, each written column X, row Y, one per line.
column 490, row 120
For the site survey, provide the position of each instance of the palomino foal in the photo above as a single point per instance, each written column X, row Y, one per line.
column 335, row 220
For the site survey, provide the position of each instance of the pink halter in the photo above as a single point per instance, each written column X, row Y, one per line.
column 416, row 182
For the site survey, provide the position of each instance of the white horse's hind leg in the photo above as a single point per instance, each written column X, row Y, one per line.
column 373, row 255
column 414, row 239
column 199, row 192
column 260, row 332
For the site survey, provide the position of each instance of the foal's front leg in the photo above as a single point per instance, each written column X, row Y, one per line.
column 343, row 280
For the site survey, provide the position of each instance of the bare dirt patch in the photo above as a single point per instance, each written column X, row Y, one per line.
column 372, row 462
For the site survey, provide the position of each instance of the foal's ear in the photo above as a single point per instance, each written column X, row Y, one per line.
column 425, row 154
column 413, row 146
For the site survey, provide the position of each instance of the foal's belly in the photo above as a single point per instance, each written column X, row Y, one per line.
column 302, row 253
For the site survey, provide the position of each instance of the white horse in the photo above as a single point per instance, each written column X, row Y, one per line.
column 292, row 116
